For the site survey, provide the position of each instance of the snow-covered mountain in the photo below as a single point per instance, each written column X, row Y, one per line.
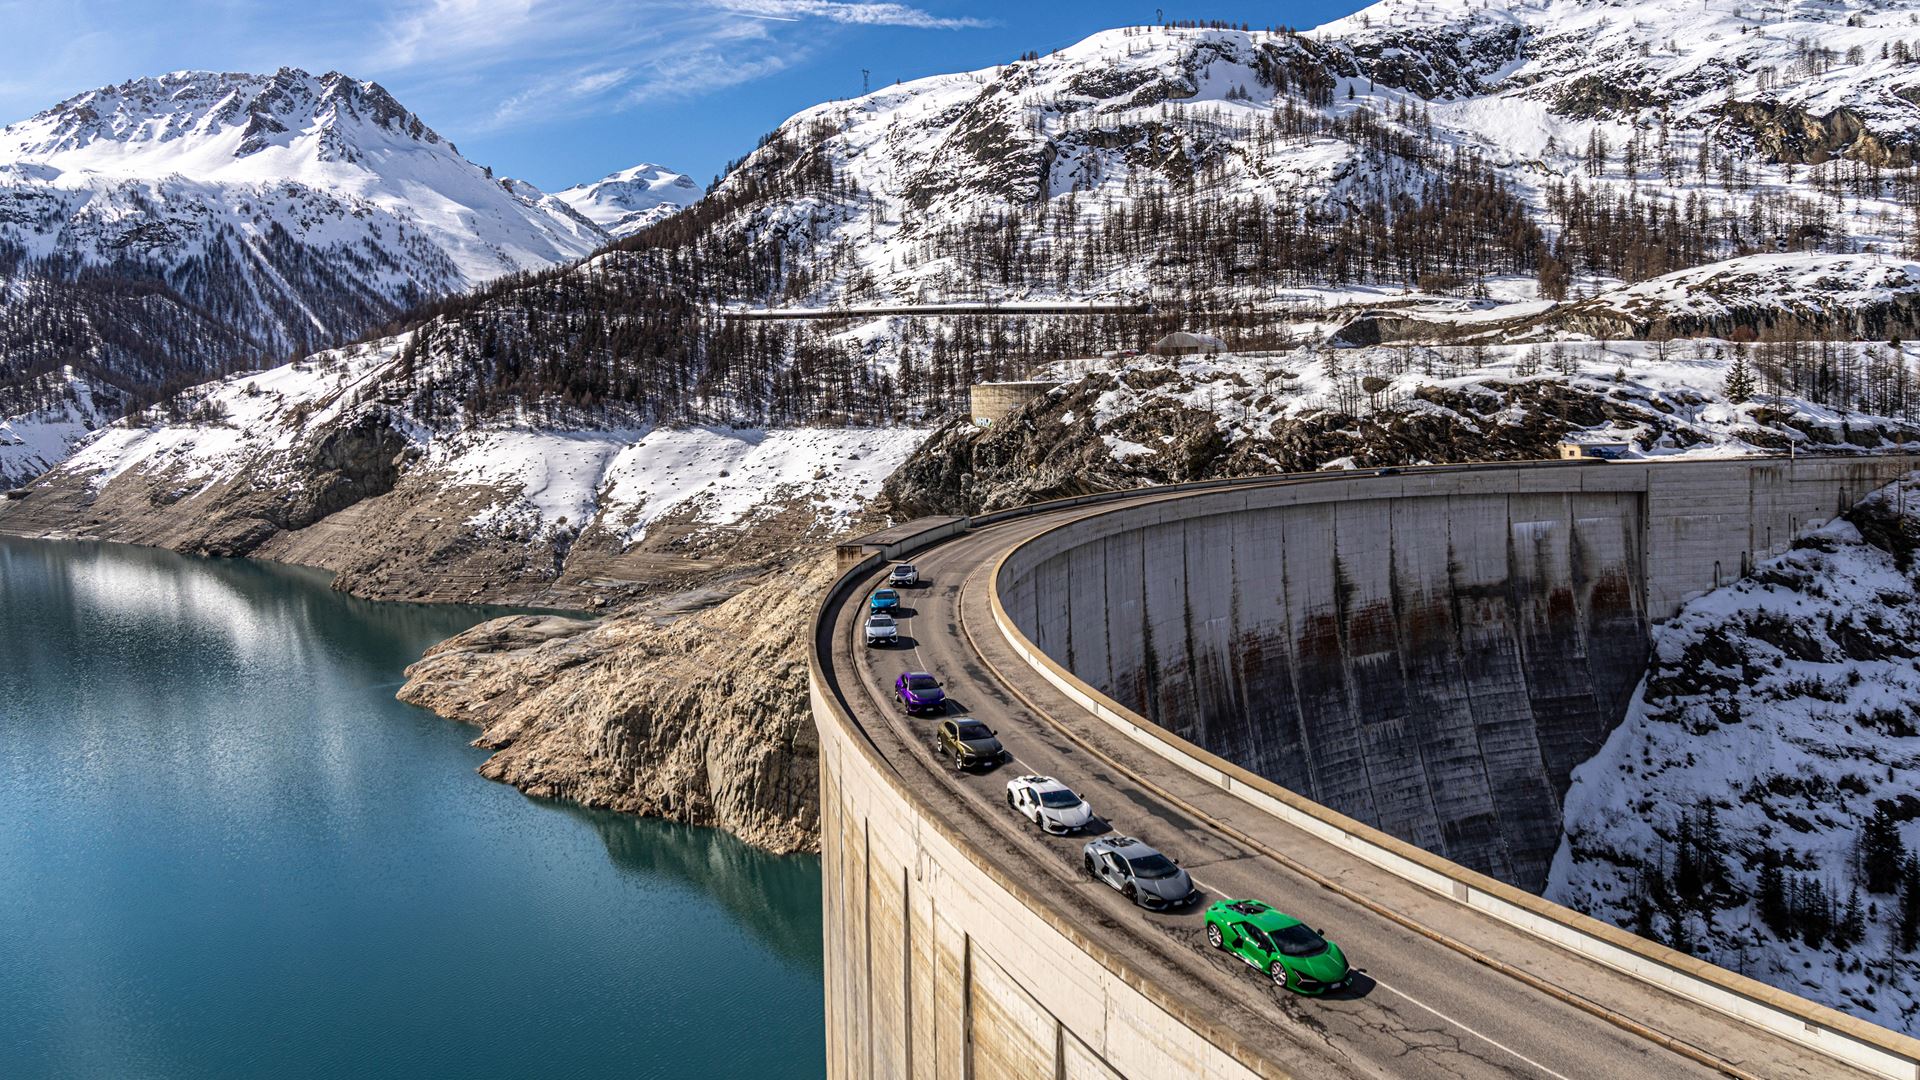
column 1459, row 148
column 627, row 201
column 171, row 228
column 1271, row 182
column 1758, row 805
column 1802, row 81
column 165, row 168
column 1739, row 127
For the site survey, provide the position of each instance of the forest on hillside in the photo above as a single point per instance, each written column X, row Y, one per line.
column 641, row 327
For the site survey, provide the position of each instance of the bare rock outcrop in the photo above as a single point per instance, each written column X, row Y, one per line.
column 700, row 718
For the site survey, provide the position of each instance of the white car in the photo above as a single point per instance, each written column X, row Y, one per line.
column 903, row 575
column 881, row 629
column 1048, row 803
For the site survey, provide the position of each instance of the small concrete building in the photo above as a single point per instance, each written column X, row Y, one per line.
column 1579, row 447
column 989, row 403
column 1187, row 343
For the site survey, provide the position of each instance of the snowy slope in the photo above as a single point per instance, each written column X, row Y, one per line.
column 1804, row 285
column 1682, row 59
column 42, row 421
column 1726, row 109
column 627, row 201
column 545, row 479
column 166, row 229
column 1785, row 702
column 622, row 481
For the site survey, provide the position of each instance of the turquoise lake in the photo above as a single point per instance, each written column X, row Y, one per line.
column 227, row 851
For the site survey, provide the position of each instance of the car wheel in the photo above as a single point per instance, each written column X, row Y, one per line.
column 1091, row 872
column 1131, row 893
column 1278, row 972
column 1010, row 805
column 958, row 765
column 1213, row 936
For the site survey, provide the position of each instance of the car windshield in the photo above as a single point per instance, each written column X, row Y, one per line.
column 1153, row 866
column 1059, row 799
column 1297, row 940
column 880, row 620
column 903, row 569
column 974, row 731
column 887, row 594
column 921, row 682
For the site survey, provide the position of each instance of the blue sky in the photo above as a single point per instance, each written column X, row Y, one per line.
column 562, row 91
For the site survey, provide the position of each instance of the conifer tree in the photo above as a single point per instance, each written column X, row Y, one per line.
column 1909, row 925
column 1739, row 382
column 1883, row 854
column 1773, row 900
column 1851, row 924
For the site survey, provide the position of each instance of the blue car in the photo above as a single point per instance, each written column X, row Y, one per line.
column 885, row 600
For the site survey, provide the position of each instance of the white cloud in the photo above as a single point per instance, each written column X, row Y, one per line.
column 700, row 72
column 488, row 64
column 860, row 14
column 593, row 54
column 563, row 88
column 456, row 27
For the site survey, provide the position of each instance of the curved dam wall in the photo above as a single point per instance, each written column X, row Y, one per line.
column 1430, row 654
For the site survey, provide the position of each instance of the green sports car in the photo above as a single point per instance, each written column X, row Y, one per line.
column 1292, row 954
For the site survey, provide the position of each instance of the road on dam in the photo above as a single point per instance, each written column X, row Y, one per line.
column 1421, row 1007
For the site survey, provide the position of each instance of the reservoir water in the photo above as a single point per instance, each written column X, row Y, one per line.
column 227, row 851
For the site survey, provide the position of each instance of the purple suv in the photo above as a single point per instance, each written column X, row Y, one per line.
column 919, row 692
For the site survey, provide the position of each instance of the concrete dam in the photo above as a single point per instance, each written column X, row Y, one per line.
column 1340, row 693
column 1432, row 656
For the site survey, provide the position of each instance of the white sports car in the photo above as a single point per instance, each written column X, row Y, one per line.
column 1048, row 803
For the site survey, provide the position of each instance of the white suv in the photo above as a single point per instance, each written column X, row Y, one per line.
column 904, row 574
column 881, row 629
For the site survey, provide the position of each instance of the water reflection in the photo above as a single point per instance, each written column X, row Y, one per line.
column 226, row 849
column 776, row 899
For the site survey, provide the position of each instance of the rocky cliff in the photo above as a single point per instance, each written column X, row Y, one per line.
column 697, row 717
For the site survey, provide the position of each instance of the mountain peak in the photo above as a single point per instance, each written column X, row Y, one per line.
column 629, row 200
column 219, row 115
